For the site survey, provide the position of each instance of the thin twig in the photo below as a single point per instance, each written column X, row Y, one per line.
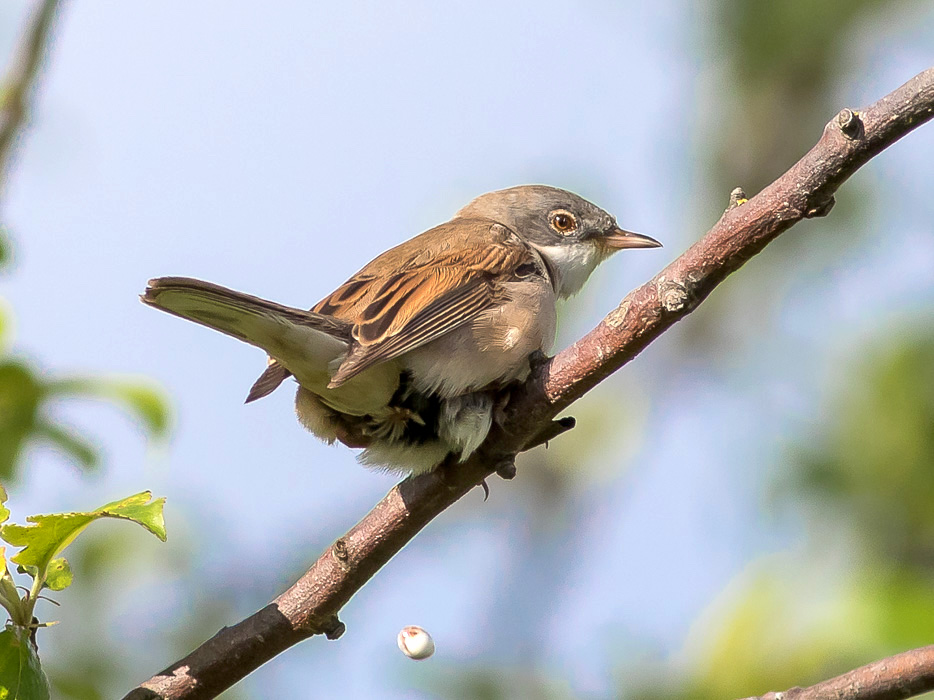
column 20, row 80
column 311, row 605
column 901, row 676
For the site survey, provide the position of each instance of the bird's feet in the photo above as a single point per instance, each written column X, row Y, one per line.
column 505, row 469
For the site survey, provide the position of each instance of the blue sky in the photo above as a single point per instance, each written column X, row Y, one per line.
column 275, row 148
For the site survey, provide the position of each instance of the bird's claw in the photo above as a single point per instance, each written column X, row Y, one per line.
column 550, row 431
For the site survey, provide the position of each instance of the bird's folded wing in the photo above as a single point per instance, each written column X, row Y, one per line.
column 442, row 316
column 423, row 296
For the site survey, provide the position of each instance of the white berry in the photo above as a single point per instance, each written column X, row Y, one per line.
column 416, row 643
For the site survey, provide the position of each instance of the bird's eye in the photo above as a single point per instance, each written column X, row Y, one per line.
column 563, row 222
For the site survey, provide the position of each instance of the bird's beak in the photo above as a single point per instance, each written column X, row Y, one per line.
column 617, row 239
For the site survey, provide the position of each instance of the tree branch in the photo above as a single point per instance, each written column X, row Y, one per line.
column 311, row 605
column 901, row 676
column 21, row 78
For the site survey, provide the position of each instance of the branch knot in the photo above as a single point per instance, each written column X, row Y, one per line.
column 340, row 550
column 850, row 124
column 674, row 296
column 820, row 208
column 737, row 198
column 333, row 628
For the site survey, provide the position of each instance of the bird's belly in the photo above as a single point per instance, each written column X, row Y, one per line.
column 491, row 350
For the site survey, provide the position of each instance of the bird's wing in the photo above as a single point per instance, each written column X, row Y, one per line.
column 423, row 289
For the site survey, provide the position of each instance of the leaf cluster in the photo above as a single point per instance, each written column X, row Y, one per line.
column 41, row 543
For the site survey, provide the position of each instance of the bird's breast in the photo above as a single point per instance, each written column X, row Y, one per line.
column 491, row 350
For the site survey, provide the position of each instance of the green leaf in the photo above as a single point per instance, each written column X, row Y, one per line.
column 4, row 511
column 140, row 397
column 50, row 534
column 70, row 442
column 58, row 577
column 21, row 393
column 9, row 596
column 139, row 508
column 31, row 570
column 21, row 676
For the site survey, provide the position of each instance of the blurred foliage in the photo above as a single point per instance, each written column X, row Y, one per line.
column 501, row 684
column 26, row 393
column 864, row 589
column 77, row 670
column 875, row 461
column 794, row 623
column 19, row 406
column 779, row 71
column 784, row 61
column 26, row 397
column 5, row 251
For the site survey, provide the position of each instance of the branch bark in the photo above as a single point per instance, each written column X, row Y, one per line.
column 311, row 605
column 901, row 676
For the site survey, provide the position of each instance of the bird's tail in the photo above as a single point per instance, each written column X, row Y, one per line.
column 302, row 342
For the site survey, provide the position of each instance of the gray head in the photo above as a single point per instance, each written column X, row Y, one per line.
column 571, row 234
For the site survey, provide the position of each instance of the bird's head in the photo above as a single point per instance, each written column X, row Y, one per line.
column 572, row 235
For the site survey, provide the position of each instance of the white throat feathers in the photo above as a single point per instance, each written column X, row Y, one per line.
column 571, row 264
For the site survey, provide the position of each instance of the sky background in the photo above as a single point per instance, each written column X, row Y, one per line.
column 275, row 148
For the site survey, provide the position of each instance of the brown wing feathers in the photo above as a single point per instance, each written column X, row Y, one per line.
column 415, row 293
column 268, row 381
column 443, row 316
column 423, row 296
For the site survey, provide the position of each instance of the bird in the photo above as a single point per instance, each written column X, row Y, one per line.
column 409, row 358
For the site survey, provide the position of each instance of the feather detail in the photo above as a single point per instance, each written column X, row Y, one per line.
column 422, row 289
column 303, row 343
column 268, row 381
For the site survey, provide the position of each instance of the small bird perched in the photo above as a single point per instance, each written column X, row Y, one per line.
column 405, row 359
